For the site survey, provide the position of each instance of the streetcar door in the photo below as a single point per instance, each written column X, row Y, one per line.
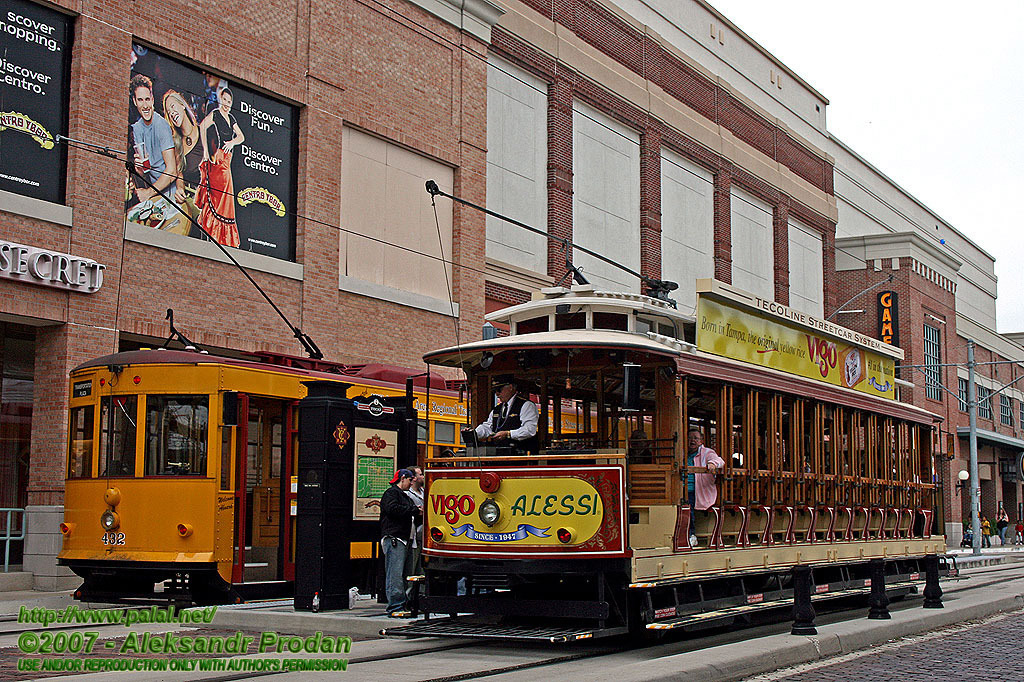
column 259, row 491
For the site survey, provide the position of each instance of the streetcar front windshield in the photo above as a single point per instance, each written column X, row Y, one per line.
column 117, row 435
column 176, row 429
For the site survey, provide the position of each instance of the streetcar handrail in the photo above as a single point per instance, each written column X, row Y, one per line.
column 7, row 537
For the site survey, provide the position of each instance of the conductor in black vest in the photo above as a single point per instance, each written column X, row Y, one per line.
column 513, row 421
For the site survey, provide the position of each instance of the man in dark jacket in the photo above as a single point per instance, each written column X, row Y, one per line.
column 397, row 515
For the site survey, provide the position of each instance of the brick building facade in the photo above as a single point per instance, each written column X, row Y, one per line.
column 322, row 61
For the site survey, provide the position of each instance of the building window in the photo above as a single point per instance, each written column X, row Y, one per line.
column 932, row 360
column 984, row 402
column 1005, row 410
column 753, row 267
column 962, row 392
column 389, row 243
column 605, row 196
column 517, row 165
column 806, row 288
column 687, row 225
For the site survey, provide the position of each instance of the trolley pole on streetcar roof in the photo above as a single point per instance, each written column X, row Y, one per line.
column 972, row 412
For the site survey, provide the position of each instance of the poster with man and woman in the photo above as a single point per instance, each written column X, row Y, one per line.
column 212, row 150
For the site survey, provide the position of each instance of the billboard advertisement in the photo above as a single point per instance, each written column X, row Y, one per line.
column 220, row 152
column 34, row 59
column 728, row 331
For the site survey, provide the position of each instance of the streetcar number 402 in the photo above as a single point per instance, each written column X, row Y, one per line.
column 113, row 539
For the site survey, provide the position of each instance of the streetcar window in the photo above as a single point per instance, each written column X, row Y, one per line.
column 610, row 321
column 117, row 435
column 421, row 430
column 571, row 321
column 533, row 325
column 80, row 442
column 225, row 458
column 176, row 435
column 276, row 447
column 444, row 432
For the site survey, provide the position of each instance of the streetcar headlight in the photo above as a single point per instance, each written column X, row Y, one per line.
column 110, row 520
column 489, row 512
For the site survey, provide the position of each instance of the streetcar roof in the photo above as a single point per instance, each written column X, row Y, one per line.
column 471, row 353
column 549, row 300
column 372, row 375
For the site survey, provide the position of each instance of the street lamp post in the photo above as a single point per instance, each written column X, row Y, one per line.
column 972, row 412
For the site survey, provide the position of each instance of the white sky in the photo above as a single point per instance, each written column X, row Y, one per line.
column 927, row 92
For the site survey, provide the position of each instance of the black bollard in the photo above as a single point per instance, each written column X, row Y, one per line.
column 878, row 601
column 932, row 591
column 803, row 610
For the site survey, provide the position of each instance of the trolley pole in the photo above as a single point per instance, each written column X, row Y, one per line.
column 972, row 412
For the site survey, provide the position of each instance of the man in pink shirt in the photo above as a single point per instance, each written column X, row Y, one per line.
column 700, row 487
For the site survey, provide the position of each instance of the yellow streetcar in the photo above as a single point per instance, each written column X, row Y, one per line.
column 181, row 469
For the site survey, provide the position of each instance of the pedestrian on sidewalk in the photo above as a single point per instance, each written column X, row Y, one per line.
column 413, row 558
column 398, row 517
column 1018, row 537
column 1002, row 522
column 986, row 532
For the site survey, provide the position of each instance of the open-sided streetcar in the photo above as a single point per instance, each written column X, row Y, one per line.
column 824, row 476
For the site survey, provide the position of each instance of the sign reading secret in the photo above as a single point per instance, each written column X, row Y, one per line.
column 49, row 268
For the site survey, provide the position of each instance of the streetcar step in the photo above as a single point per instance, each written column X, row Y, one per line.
column 707, row 617
column 474, row 629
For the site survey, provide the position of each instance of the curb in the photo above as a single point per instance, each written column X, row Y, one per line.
column 302, row 623
column 755, row 657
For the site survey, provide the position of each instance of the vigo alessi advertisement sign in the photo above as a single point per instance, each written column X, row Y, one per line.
column 732, row 332
column 34, row 53
column 221, row 152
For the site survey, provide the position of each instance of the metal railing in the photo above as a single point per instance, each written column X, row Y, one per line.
column 8, row 537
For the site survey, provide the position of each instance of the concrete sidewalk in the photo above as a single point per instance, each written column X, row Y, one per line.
column 362, row 622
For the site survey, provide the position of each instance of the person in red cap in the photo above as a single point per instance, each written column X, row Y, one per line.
column 397, row 516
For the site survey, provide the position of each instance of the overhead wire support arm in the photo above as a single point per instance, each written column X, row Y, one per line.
column 838, row 310
column 658, row 288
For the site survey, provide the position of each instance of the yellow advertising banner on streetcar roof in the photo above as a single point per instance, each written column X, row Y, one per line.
column 732, row 332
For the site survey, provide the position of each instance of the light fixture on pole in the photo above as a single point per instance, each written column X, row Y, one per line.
column 963, row 476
